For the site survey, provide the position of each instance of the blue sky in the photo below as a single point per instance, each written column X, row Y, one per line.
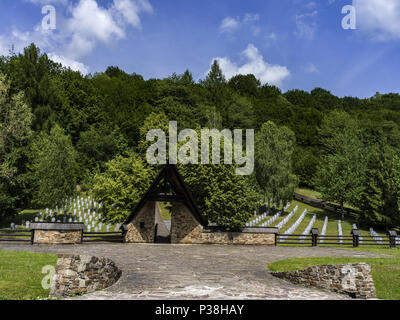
column 289, row 43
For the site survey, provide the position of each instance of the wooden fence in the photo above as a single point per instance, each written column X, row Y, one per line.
column 18, row 235
column 354, row 240
column 321, row 204
column 102, row 237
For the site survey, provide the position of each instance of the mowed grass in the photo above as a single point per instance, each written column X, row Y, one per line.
column 309, row 193
column 316, row 195
column 385, row 271
column 21, row 275
column 164, row 210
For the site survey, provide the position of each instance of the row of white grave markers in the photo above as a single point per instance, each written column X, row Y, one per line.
column 272, row 219
column 359, row 238
column 375, row 236
column 287, row 218
column 257, row 219
column 309, row 227
column 85, row 210
column 294, row 225
column 287, row 206
column 323, row 231
column 339, row 227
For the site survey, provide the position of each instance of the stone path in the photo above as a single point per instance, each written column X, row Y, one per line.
column 197, row 271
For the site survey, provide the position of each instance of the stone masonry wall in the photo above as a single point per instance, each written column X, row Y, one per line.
column 77, row 274
column 186, row 230
column 238, row 238
column 184, row 227
column 352, row 279
column 57, row 236
column 136, row 234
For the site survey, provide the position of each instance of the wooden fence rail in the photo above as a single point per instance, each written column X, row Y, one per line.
column 322, row 204
column 102, row 237
column 19, row 235
column 355, row 239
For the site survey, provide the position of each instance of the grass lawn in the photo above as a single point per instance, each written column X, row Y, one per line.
column 316, row 195
column 164, row 209
column 309, row 193
column 21, row 275
column 385, row 271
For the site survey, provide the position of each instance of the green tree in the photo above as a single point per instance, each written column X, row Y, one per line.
column 380, row 198
column 246, row 85
column 340, row 174
column 274, row 147
column 53, row 168
column 98, row 145
column 122, row 185
column 223, row 197
column 216, row 85
column 15, row 134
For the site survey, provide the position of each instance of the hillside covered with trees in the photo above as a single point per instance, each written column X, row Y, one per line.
column 60, row 130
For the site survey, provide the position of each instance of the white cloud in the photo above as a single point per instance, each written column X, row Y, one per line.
column 250, row 17
column 130, row 10
column 380, row 18
column 86, row 25
column 255, row 64
column 91, row 23
column 74, row 65
column 306, row 26
column 229, row 24
column 311, row 68
column 311, row 5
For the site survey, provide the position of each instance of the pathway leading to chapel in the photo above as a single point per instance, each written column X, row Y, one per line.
column 151, row 271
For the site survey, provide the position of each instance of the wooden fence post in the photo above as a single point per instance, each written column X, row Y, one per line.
column 392, row 238
column 356, row 237
column 314, row 237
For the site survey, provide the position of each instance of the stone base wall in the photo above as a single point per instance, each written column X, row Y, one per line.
column 352, row 279
column 57, row 237
column 141, row 229
column 186, row 230
column 184, row 227
column 238, row 238
column 78, row 274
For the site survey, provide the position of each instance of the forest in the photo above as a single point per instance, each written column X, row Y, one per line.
column 62, row 133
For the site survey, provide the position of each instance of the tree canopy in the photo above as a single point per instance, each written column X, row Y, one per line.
column 323, row 140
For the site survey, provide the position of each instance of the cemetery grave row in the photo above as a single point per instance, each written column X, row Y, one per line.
column 80, row 209
column 289, row 220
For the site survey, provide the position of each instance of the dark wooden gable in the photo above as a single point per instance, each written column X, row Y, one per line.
column 168, row 186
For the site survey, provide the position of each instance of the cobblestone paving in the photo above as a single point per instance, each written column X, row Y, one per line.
column 197, row 271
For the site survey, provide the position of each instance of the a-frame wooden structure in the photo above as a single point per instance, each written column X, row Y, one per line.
column 168, row 186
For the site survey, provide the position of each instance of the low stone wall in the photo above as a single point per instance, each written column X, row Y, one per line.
column 186, row 230
column 78, row 274
column 237, row 238
column 56, row 237
column 57, row 233
column 352, row 279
